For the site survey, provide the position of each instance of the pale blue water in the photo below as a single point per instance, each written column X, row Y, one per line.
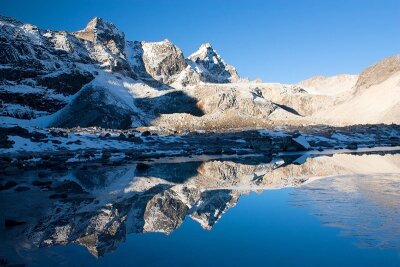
column 316, row 224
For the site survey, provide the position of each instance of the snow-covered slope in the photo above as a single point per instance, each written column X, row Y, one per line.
column 39, row 69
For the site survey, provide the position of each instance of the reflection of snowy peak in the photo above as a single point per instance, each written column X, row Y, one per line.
column 106, row 204
column 213, row 204
column 211, row 66
column 102, row 205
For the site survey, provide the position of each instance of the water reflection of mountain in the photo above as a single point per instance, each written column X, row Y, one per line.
column 98, row 206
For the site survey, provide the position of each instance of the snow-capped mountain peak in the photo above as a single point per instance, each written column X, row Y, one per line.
column 211, row 66
column 105, row 44
column 205, row 52
column 99, row 30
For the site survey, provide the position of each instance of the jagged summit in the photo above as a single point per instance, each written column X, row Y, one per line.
column 206, row 45
column 211, row 66
column 205, row 52
column 97, row 23
column 100, row 30
column 105, row 44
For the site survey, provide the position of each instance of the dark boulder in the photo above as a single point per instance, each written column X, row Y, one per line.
column 96, row 106
column 146, row 133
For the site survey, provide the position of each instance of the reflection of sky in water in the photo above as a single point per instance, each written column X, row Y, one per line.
column 363, row 206
column 203, row 213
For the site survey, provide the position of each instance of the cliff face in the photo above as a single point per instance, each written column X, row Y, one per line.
column 163, row 60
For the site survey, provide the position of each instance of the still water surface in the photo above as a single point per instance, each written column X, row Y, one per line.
column 340, row 210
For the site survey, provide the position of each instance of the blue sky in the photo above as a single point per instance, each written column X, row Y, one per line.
column 281, row 40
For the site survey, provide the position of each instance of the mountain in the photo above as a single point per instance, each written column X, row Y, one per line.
column 49, row 77
column 375, row 98
column 95, row 77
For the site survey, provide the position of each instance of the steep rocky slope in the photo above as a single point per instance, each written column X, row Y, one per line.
column 39, row 69
column 105, row 44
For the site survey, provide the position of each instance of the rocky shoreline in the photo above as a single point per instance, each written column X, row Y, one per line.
column 30, row 148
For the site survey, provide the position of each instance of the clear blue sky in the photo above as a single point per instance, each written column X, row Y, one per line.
column 281, row 40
